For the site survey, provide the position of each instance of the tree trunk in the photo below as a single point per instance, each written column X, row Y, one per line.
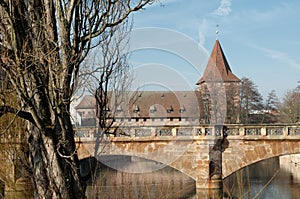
column 53, row 175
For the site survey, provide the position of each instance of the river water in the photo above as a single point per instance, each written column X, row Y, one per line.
column 274, row 178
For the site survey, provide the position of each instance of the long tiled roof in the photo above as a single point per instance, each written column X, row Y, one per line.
column 217, row 68
column 150, row 104
column 160, row 104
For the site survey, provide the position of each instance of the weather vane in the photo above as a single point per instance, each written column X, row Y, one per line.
column 217, row 29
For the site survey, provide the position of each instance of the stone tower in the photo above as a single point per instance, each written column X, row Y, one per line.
column 219, row 89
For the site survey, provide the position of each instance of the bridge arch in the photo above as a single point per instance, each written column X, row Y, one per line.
column 188, row 156
column 242, row 153
column 137, row 164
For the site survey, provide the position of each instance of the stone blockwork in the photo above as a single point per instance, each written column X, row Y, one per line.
column 206, row 159
column 246, row 150
column 7, row 168
column 13, row 180
column 190, row 155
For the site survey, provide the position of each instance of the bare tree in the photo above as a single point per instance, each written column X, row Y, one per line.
column 233, row 103
column 271, row 107
column 108, row 77
column 251, row 102
column 290, row 107
column 42, row 44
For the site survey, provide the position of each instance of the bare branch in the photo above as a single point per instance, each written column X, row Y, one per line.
column 22, row 114
column 43, row 45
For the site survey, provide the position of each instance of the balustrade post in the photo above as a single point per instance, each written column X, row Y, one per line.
column 203, row 131
column 263, row 131
column 132, row 133
column 174, row 132
column 213, row 130
column 153, row 131
column 285, row 130
column 242, row 131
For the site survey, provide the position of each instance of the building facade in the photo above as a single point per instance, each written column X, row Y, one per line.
column 215, row 101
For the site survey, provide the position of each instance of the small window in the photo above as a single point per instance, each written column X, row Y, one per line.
column 170, row 109
column 182, row 109
column 136, row 109
column 152, row 109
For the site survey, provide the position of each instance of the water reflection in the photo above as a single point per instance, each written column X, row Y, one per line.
column 164, row 183
column 274, row 178
column 266, row 179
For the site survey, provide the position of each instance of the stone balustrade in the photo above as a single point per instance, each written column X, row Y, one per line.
column 188, row 130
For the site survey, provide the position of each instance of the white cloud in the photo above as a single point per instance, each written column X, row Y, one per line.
column 208, row 24
column 279, row 56
column 224, row 9
column 202, row 32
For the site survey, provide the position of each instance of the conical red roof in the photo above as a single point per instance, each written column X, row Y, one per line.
column 217, row 68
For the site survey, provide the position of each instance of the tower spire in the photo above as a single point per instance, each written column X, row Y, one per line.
column 217, row 68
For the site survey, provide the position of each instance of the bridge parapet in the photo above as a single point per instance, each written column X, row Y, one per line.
column 205, row 153
column 188, row 130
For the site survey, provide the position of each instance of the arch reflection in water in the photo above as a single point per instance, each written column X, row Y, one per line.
column 164, row 183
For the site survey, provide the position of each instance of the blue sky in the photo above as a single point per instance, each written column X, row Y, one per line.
column 260, row 40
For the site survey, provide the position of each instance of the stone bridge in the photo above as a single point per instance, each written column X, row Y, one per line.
column 204, row 153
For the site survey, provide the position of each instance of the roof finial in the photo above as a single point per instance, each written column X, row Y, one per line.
column 217, row 31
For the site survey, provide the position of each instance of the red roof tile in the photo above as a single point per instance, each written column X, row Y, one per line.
column 160, row 104
column 217, row 68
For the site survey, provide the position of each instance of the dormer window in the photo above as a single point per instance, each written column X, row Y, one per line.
column 152, row 109
column 170, row 109
column 182, row 109
column 136, row 109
